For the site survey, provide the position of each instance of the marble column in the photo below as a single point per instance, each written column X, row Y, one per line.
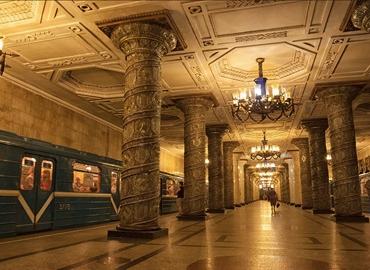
column 215, row 168
column 246, row 184
column 305, row 171
column 338, row 103
column 194, row 109
column 361, row 16
column 144, row 45
column 237, row 200
column 319, row 166
column 283, row 185
column 228, row 148
column 287, row 188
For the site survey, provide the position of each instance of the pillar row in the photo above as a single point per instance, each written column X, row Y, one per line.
column 194, row 109
column 144, row 45
column 305, row 171
column 319, row 166
column 338, row 101
column 228, row 148
column 215, row 168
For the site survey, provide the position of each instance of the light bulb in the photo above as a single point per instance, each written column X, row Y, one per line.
column 257, row 90
column 275, row 91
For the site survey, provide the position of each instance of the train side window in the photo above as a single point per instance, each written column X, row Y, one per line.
column 28, row 173
column 86, row 178
column 46, row 180
column 114, row 182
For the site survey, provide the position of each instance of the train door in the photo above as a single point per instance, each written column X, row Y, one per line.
column 36, row 187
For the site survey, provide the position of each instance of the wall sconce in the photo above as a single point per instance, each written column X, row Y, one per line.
column 3, row 55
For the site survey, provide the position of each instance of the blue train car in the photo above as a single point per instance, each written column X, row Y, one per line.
column 45, row 186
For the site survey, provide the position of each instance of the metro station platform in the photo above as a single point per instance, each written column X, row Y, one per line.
column 245, row 238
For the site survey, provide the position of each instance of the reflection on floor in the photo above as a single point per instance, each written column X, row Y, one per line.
column 246, row 238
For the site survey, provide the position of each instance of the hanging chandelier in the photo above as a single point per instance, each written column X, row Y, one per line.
column 265, row 151
column 262, row 103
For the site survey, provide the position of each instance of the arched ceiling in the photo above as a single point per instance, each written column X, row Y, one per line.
column 66, row 55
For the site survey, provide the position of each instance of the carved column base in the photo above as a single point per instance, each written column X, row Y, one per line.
column 216, row 210
column 322, row 211
column 230, row 207
column 149, row 234
column 292, row 204
column 297, row 205
column 306, row 208
column 237, row 205
column 358, row 219
column 192, row 217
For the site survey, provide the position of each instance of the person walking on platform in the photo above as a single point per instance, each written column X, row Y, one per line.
column 272, row 197
column 180, row 197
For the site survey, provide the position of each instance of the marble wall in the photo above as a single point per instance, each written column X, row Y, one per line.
column 34, row 116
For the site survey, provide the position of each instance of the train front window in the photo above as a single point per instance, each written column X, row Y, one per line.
column 28, row 173
column 46, row 178
column 86, row 178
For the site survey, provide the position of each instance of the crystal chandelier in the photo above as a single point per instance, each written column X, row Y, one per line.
column 265, row 151
column 262, row 103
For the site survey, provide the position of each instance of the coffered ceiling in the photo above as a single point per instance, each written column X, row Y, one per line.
column 65, row 55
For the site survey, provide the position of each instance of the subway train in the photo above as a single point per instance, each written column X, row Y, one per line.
column 45, row 186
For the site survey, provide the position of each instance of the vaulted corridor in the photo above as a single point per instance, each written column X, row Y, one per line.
column 248, row 237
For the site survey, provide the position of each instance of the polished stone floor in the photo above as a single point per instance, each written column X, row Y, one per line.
column 246, row 238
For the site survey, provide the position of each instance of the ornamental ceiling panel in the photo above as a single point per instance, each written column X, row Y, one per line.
column 58, row 47
column 245, row 23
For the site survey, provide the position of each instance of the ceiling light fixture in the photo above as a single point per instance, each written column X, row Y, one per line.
column 265, row 151
column 262, row 104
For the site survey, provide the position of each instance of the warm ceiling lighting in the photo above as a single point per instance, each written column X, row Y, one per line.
column 265, row 151
column 262, row 103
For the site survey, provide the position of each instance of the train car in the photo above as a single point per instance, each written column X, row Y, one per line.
column 45, row 186
column 169, row 187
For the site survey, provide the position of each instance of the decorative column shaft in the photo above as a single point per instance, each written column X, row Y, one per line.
column 215, row 168
column 228, row 148
column 144, row 45
column 287, row 186
column 194, row 109
column 246, row 184
column 319, row 166
column 338, row 102
column 237, row 199
column 361, row 16
column 305, row 171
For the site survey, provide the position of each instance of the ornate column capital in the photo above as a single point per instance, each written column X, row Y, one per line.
column 315, row 124
column 143, row 37
column 218, row 129
column 300, row 142
column 191, row 103
column 230, row 145
column 346, row 92
column 361, row 16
